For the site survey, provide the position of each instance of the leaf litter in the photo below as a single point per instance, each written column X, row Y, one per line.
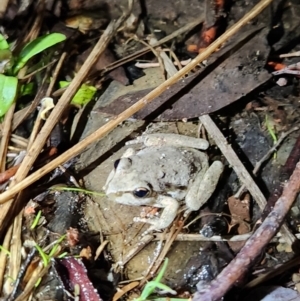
column 230, row 77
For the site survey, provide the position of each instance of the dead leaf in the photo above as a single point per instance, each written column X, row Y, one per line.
column 222, row 82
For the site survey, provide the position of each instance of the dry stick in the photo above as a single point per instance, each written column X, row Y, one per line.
column 178, row 225
column 240, row 169
column 56, row 73
column 164, row 40
column 167, row 62
column 6, row 131
column 233, row 160
column 297, row 53
column 18, row 140
column 199, row 237
column 37, row 25
column 278, row 270
column 57, row 112
column 160, row 62
column 254, row 246
column 4, row 255
column 162, row 252
column 109, row 126
column 38, row 273
column 28, row 75
column 64, row 102
column 23, row 114
column 143, row 241
column 15, row 252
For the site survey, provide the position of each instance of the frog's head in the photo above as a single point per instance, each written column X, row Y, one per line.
column 125, row 186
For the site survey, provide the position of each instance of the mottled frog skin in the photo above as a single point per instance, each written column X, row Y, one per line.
column 163, row 174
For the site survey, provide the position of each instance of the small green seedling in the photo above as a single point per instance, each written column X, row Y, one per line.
column 8, row 92
column 271, row 131
column 27, row 89
column 156, row 284
column 11, row 64
column 35, row 47
column 83, row 96
column 47, row 257
column 36, row 220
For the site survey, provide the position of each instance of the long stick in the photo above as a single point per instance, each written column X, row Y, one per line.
column 109, row 126
column 254, row 245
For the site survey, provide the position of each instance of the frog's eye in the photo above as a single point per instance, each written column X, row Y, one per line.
column 116, row 163
column 141, row 192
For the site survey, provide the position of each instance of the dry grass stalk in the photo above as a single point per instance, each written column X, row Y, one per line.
column 57, row 112
column 104, row 130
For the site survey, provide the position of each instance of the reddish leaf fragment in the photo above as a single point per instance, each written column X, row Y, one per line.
column 77, row 275
column 210, row 89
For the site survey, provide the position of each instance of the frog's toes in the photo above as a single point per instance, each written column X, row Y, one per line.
column 187, row 212
column 141, row 219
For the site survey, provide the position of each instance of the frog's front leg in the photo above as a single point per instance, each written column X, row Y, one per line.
column 167, row 216
column 203, row 186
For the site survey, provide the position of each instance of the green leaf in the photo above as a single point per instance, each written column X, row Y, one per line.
column 3, row 43
column 8, row 91
column 6, row 58
column 150, row 286
column 44, row 256
column 35, row 47
column 83, row 96
column 36, row 220
column 55, row 247
column 27, row 89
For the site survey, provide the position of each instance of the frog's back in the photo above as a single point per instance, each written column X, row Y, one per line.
column 169, row 168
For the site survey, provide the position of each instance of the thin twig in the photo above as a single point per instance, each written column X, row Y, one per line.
column 242, row 263
column 21, row 141
column 37, row 70
column 58, row 110
column 279, row 270
column 6, row 131
column 200, row 237
column 240, row 169
column 109, row 126
column 156, row 262
column 167, row 62
column 292, row 54
column 38, row 273
column 160, row 62
column 56, row 73
column 233, row 160
column 4, row 255
column 15, row 252
column 166, row 39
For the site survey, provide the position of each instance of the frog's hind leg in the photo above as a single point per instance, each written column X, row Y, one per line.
column 203, row 187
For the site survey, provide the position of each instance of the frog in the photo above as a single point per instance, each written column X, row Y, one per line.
column 170, row 169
